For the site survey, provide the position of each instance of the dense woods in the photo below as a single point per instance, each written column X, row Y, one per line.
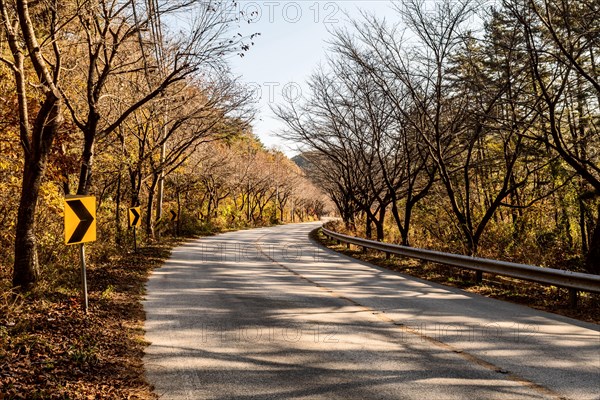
column 105, row 98
column 465, row 127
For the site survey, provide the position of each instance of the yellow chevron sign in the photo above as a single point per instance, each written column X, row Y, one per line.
column 135, row 216
column 80, row 219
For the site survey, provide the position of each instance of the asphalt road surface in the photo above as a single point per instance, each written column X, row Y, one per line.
column 267, row 314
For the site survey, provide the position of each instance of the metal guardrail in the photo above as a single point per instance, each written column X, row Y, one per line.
column 574, row 281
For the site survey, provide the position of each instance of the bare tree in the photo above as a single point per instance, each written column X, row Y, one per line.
column 405, row 165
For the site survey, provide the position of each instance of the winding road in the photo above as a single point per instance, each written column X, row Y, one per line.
column 268, row 314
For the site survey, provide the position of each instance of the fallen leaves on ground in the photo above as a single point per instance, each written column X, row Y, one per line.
column 50, row 349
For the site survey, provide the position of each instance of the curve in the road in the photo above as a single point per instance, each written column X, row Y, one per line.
column 269, row 314
column 385, row 318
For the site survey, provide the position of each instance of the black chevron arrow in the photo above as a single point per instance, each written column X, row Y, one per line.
column 173, row 215
column 136, row 216
column 85, row 220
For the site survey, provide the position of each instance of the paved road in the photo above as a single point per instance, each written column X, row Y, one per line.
column 267, row 314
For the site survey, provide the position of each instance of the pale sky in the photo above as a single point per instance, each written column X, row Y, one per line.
column 292, row 43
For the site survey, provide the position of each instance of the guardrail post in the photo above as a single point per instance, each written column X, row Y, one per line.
column 478, row 276
column 339, row 242
column 348, row 246
column 387, row 255
column 573, row 297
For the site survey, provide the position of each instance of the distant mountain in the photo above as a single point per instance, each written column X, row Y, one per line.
column 301, row 161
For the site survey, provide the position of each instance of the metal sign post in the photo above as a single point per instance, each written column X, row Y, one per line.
column 134, row 239
column 83, row 277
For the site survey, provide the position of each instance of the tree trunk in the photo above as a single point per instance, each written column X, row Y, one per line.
column 178, row 222
column 26, row 269
column 593, row 256
column 380, row 224
column 402, row 228
column 404, row 232
column 368, row 227
column 85, row 174
column 118, row 232
column 582, row 227
column 209, row 209
column 472, row 246
column 149, row 207
column 379, row 230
